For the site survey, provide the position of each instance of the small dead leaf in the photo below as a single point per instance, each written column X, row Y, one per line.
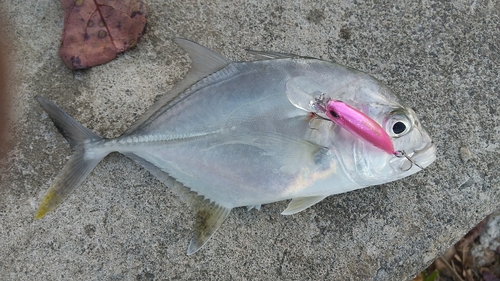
column 488, row 275
column 95, row 31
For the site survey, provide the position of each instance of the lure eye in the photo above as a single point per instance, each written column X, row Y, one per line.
column 334, row 114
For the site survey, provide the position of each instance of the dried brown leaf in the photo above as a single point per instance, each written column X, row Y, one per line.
column 95, row 31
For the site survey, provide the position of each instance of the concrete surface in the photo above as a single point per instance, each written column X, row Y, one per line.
column 123, row 224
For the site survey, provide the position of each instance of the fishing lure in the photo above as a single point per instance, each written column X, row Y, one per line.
column 351, row 119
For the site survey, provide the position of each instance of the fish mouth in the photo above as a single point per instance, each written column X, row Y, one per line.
column 425, row 156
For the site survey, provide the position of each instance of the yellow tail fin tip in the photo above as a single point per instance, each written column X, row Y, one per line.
column 44, row 206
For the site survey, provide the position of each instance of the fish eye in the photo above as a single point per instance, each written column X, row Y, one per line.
column 398, row 123
column 398, row 127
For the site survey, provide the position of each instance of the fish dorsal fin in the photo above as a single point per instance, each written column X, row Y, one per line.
column 263, row 55
column 301, row 203
column 209, row 217
column 203, row 63
column 203, row 60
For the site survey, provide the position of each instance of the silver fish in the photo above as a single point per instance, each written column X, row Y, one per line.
column 228, row 136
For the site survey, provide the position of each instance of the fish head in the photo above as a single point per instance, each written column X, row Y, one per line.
column 409, row 137
column 368, row 165
column 414, row 148
column 363, row 159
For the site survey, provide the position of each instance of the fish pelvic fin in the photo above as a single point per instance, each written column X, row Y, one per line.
column 79, row 165
column 301, row 203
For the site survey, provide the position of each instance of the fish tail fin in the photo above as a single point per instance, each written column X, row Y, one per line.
column 81, row 163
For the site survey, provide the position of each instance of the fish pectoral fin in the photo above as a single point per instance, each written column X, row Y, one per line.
column 301, row 203
column 209, row 217
column 282, row 151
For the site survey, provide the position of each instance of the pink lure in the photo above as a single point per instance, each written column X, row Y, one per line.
column 359, row 124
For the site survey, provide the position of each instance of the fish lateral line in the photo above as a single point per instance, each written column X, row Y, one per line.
column 161, row 137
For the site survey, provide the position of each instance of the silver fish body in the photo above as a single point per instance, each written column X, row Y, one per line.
column 227, row 136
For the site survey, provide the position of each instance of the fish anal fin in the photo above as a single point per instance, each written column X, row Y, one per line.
column 301, row 203
column 209, row 217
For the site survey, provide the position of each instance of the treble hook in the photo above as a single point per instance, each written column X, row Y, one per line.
column 402, row 153
column 316, row 116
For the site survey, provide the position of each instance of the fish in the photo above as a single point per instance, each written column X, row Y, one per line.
column 228, row 136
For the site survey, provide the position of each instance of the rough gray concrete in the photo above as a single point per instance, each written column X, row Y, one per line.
column 123, row 224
